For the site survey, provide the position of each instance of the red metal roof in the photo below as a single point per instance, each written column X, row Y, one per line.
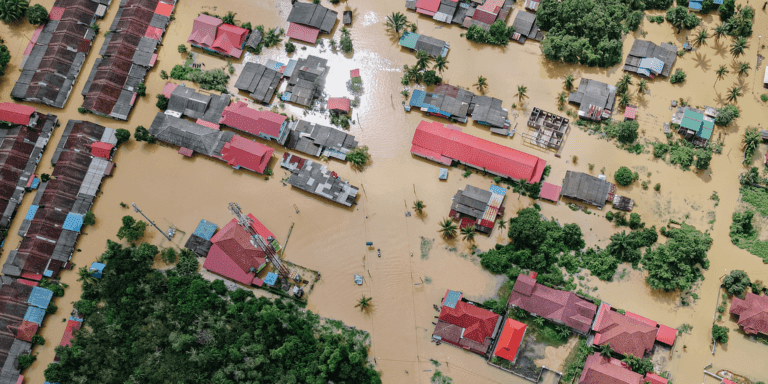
column 550, row 192
column 168, row 89
column 625, row 335
column 207, row 124
column 654, row 378
column 56, row 13
column 28, row 282
column 630, row 112
column 509, row 342
column 640, row 318
column 229, row 39
column 354, row 73
column 27, row 329
column 339, row 104
column 186, row 152
column 232, row 254
column 204, row 30
column 753, row 313
column 427, row 7
column 602, row 370
column 302, row 33
column 726, row 381
column 484, row 16
column 478, row 323
column 16, row 113
column 154, row 33
column 101, row 149
column 255, row 122
column 439, row 143
column 241, row 152
column 164, row 9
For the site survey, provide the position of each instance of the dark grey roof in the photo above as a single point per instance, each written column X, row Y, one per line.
column 313, row 15
column 159, row 21
column 198, row 245
column 525, row 24
column 488, row 110
column 307, row 81
column 261, row 82
column 187, row 102
column 315, row 178
column 254, row 39
column 641, row 48
column 593, row 92
column 586, row 188
column 216, row 108
column 471, row 201
column 434, row 47
column 316, row 139
column 186, row 134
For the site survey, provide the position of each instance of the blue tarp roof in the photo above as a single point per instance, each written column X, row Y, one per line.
column 35, row 183
column 206, row 229
column 75, row 319
column 73, row 222
column 35, row 315
column 48, row 273
column 271, row 278
column 498, row 190
column 97, row 269
column 289, row 68
column 417, row 99
column 286, row 96
column 644, row 71
column 31, row 212
column 443, row 173
column 40, row 297
column 652, row 64
column 694, row 4
column 452, row 298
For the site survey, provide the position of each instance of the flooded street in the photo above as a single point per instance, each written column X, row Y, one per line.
column 329, row 238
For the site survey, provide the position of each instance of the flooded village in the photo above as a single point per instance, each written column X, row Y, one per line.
column 460, row 209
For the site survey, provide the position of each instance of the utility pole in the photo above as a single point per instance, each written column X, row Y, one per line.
column 166, row 235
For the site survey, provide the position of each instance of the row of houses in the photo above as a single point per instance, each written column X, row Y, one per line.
column 317, row 179
column 57, row 50
column 481, row 13
column 127, row 54
column 451, row 102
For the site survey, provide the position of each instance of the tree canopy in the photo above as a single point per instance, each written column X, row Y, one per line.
column 675, row 264
column 737, row 282
column 37, row 15
column 131, row 230
column 624, row 176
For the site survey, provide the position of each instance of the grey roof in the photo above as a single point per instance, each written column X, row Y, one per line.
column 471, row 201
column 216, row 108
column 254, row 39
column 525, row 24
column 307, row 81
column 586, row 188
column 261, row 82
column 198, row 245
column 159, row 21
column 315, row 178
column 434, row 47
column 593, row 92
column 187, row 102
column 316, row 139
column 186, row 134
column 313, row 15
column 641, row 49
column 488, row 110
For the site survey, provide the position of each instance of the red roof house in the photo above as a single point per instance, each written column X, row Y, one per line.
column 559, row 306
column 752, row 312
column 436, row 142
column 509, row 342
column 211, row 33
column 654, row 378
column 427, row 7
column 168, row 89
column 241, row 152
column 303, row 33
column 602, row 370
column 27, row 329
column 465, row 325
column 233, row 256
column 339, row 104
column 16, row 113
column 626, row 335
column 204, row 29
column 630, row 112
column 101, row 149
column 666, row 335
column 550, row 192
column 265, row 124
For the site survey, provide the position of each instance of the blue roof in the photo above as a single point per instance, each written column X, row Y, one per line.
column 31, row 212
column 694, row 4
column 417, row 99
column 498, row 190
column 271, row 64
column 47, row 273
column 97, row 269
column 271, row 278
column 206, row 229
column 40, row 297
column 35, row 183
column 644, row 71
column 717, row 1
column 452, row 298
column 35, row 315
column 286, row 96
column 443, row 174
column 289, row 68
column 652, row 64
column 75, row 319
column 73, row 222
column 409, row 39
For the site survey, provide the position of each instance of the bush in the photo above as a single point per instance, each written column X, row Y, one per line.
column 498, row 34
column 359, row 156
column 37, row 15
column 658, row 4
column 82, row 110
column 609, row 216
column 89, row 218
column 26, row 360
column 182, row 48
column 677, row 77
column 51, row 309
column 726, row 115
column 290, row 47
column 624, row 176
column 703, row 157
column 142, row 134
column 431, row 78
column 764, row 97
column 141, row 89
column 346, row 41
column 5, row 57
column 627, row 131
column 660, row 149
column 123, row 135
column 657, row 187
column 634, row 221
column 38, row 340
column 162, row 102
column 720, row 334
column 45, row 177
column 737, row 282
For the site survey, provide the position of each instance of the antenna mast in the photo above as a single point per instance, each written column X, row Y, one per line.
column 259, row 242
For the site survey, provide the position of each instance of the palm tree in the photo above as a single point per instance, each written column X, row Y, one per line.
column 13, row 10
column 621, row 246
column 364, row 303
column 521, row 90
column 85, row 275
column 482, row 84
column 744, row 68
column 448, row 228
column 563, row 331
column 734, row 93
column 397, row 22
column 469, row 233
column 642, row 86
column 568, row 82
column 738, row 46
column 229, row 18
column 423, row 59
column 606, row 350
column 624, row 100
column 502, row 224
column 722, row 71
column 441, row 64
column 624, row 83
column 561, row 98
column 419, row 206
column 539, row 321
column 701, row 37
column 720, row 32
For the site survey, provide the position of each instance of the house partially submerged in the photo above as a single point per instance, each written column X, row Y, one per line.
column 752, row 312
column 318, row 140
column 265, row 124
column 532, row 5
column 454, row 107
column 696, row 5
column 550, row 129
column 627, row 334
column 416, row 42
column 260, row 82
column 307, row 21
column 57, row 50
column 595, row 99
column 488, row 111
column 463, row 13
column 185, row 101
column 561, row 307
column 525, row 28
column 307, row 81
column 127, row 54
column 210, row 34
column 587, row 188
column 52, row 223
column 315, row 178
column 339, row 105
column 21, row 147
column 651, row 60
column 465, row 325
column 434, row 141
column 694, row 124
column 478, row 207
column 234, row 256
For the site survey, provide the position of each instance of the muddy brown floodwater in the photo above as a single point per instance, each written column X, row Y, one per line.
column 331, row 239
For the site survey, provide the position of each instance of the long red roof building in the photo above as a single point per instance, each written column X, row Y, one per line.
column 752, row 312
column 436, row 142
column 465, row 325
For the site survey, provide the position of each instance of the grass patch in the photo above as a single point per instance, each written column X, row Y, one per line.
column 574, row 363
column 426, row 246
column 547, row 332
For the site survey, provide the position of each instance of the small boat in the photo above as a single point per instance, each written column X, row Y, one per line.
column 358, row 279
column 379, row 252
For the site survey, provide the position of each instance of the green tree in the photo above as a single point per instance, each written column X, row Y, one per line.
column 737, row 282
column 521, row 92
column 627, row 131
column 142, row 134
column 642, row 86
column 606, row 350
column 572, row 237
column 720, row 334
column 703, row 157
column 624, row 176
column 744, row 68
column 37, row 15
column 419, row 206
column 346, row 40
column 182, row 48
column 701, row 37
column 441, row 64
column 26, row 360
column 38, row 340
column 677, row 77
column 122, row 135
column 623, row 248
column 89, row 218
column 359, row 156
column 727, row 9
column 141, row 89
column 229, row 18
column 169, row 256
column 364, row 303
column 677, row 17
column 448, row 229
column 624, row 100
column 722, row 71
column 675, row 265
column 431, row 78
column 131, row 230
column 482, row 84
column 423, row 59
column 623, row 84
column 396, row 22
column 13, row 10
column 734, row 93
column 750, row 141
column 5, row 58
column 726, row 115
column 290, row 47
column 468, row 233
column 162, row 102
column 568, row 82
column 85, row 275
column 738, row 46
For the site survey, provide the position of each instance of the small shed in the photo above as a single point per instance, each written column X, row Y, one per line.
column 271, row 279
column 630, row 112
column 339, row 104
column 101, row 149
column 550, row 192
column 443, row 175
column 354, row 73
column 40, row 297
column 347, row 17
column 206, row 229
column 97, row 269
column 186, row 152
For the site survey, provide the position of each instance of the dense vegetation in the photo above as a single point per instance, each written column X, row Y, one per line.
column 144, row 325
column 680, row 17
column 737, row 21
column 720, row 334
column 675, row 264
column 215, row 79
column 587, row 31
column 726, row 115
column 359, row 156
column 737, row 282
column 498, row 34
column 37, row 15
column 13, row 10
column 743, row 234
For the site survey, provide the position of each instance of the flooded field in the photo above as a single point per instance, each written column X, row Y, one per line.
column 331, row 239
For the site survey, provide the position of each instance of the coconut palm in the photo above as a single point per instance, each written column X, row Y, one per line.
column 423, row 59
column 563, row 331
column 561, row 98
column 482, row 84
column 744, row 68
column 642, row 86
column 448, row 228
column 568, row 82
column 720, row 32
column 229, row 18
column 624, row 83
column 734, row 93
column 701, row 37
column 469, row 233
column 502, row 224
column 722, row 71
column 606, row 350
column 419, row 206
column 521, row 92
column 441, row 64
column 624, row 100
column 364, row 303
column 539, row 321
column 738, row 46
column 85, row 275
column 397, row 22
column 13, row 10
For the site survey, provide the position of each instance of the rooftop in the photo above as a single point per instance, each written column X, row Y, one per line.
column 259, row 81
column 233, row 255
column 467, row 326
column 625, row 334
column 602, row 370
column 594, row 98
column 509, row 342
column 562, row 307
column 313, row 15
column 315, row 178
column 587, row 188
column 641, row 49
column 752, row 312
column 255, row 122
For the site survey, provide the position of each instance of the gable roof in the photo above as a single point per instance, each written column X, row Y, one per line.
column 232, row 254
column 626, row 335
column 339, row 104
column 313, row 15
column 478, row 323
column 241, row 152
column 752, row 312
column 303, row 33
column 230, row 39
column 255, row 122
column 204, row 30
column 560, row 306
column 587, row 188
column 261, row 82
column 16, row 113
column 509, row 342
column 602, row 370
